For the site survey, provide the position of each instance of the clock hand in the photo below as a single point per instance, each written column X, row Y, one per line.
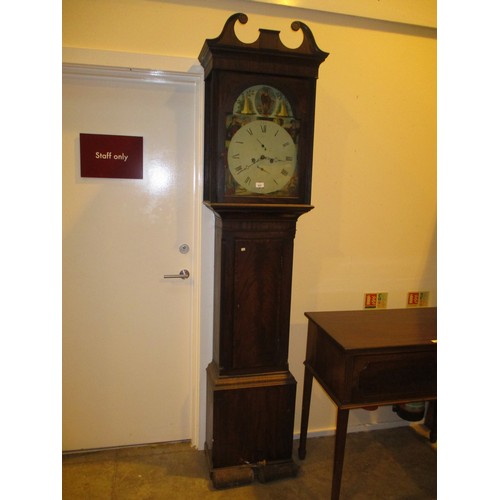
column 261, row 144
column 276, row 159
column 254, row 162
column 263, row 169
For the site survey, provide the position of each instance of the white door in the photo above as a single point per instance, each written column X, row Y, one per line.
column 127, row 331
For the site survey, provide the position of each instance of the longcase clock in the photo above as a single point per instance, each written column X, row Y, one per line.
column 259, row 129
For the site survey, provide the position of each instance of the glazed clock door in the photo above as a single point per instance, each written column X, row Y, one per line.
column 127, row 330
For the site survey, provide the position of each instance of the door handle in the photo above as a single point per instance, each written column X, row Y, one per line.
column 183, row 275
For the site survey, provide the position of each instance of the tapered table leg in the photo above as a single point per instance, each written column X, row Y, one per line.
column 338, row 458
column 306, row 403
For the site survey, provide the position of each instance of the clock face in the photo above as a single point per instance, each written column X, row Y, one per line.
column 261, row 145
column 262, row 157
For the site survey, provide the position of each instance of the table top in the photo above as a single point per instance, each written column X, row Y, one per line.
column 381, row 328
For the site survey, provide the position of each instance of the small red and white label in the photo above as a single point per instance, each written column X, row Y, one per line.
column 376, row 300
column 417, row 299
column 413, row 298
column 370, row 300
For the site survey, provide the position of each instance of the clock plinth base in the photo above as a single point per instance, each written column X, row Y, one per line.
column 250, row 427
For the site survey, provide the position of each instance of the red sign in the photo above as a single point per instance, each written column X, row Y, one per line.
column 113, row 156
column 413, row 298
column 370, row 300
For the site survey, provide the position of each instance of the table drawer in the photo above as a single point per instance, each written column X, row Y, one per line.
column 379, row 378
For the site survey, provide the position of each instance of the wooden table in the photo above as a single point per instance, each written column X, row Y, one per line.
column 366, row 358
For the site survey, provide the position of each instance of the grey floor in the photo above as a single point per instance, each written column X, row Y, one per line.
column 397, row 463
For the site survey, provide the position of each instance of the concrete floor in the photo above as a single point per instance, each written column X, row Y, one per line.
column 388, row 464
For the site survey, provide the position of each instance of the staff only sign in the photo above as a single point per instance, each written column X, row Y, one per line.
column 112, row 156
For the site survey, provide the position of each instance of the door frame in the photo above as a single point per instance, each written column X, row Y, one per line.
column 163, row 70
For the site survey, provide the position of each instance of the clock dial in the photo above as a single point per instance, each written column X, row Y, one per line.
column 261, row 145
column 262, row 157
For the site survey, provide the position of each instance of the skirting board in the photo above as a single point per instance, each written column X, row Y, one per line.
column 330, row 431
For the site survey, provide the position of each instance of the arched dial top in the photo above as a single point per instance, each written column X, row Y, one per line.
column 263, row 101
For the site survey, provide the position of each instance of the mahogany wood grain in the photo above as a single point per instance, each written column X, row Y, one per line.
column 365, row 358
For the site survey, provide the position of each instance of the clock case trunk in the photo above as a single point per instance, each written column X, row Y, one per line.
column 253, row 270
column 250, row 390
